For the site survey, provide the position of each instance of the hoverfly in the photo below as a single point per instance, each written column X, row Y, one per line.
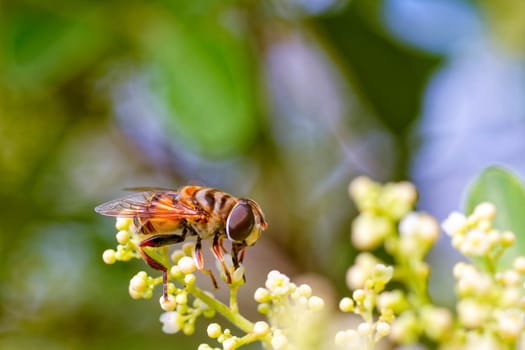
column 164, row 217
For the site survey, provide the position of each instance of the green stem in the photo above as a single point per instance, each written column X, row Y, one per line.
column 234, row 307
column 231, row 315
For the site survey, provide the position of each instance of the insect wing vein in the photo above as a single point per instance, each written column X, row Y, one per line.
column 148, row 204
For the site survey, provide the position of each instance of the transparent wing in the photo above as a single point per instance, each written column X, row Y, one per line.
column 153, row 203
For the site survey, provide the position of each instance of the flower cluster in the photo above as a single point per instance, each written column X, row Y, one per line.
column 284, row 303
column 393, row 240
column 491, row 301
column 474, row 236
column 365, row 302
column 386, row 220
column 293, row 312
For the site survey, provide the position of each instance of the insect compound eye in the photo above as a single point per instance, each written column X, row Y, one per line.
column 240, row 222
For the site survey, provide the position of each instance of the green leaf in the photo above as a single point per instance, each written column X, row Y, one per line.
column 45, row 47
column 505, row 190
column 202, row 72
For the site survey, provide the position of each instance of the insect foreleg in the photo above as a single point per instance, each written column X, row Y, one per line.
column 199, row 260
column 238, row 255
column 159, row 241
column 216, row 249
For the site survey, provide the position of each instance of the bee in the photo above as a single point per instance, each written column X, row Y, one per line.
column 165, row 217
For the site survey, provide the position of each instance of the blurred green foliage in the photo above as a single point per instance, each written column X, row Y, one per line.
column 96, row 96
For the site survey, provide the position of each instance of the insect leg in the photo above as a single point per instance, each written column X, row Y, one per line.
column 159, row 241
column 199, row 260
column 238, row 253
column 216, row 249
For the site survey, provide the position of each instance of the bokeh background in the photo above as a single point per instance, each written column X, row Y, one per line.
column 282, row 101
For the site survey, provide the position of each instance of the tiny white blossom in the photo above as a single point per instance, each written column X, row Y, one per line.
column 346, row 304
column 214, row 330
column 369, row 231
column 138, row 283
column 471, row 313
column 382, row 329
column 475, row 243
column 168, row 304
column 519, row 264
column 229, row 344
column 278, row 283
column 261, row 328
column 122, row 236
column 364, row 329
column 109, row 256
column 510, row 324
column 279, row 341
column 485, row 211
column 454, row 224
column 187, row 265
column 315, row 303
column 171, row 322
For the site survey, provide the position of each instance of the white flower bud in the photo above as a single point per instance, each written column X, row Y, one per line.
column 229, row 344
column 279, row 342
column 122, row 236
column 187, row 265
column 304, row 290
column 508, row 238
column 262, row 295
column 261, row 328
column 369, row 231
column 181, row 298
column 364, row 329
column 519, row 264
column 485, row 211
column 510, row 324
column 168, row 304
column 123, row 223
column 189, row 279
column 382, row 329
column 315, row 303
column 171, row 321
column 454, row 224
column 109, row 256
column 471, row 313
column 214, row 330
column 346, row 305
column 138, row 283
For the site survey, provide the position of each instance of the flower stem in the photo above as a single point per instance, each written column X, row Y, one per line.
column 231, row 315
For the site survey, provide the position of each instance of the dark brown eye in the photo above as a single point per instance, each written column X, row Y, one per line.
column 240, row 222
